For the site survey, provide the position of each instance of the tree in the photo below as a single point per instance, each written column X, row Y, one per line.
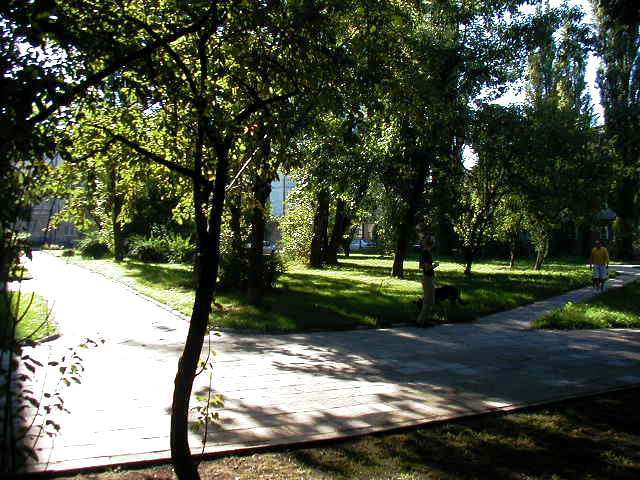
column 224, row 85
column 498, row 137
column 555, row 180
column 457, row 49
column 618, row 44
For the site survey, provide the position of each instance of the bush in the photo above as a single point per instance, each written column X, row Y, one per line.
column 162, row 248
column 296, row 225
column 93, row 246
column 52, row 246
column 68, row 253
column 233, row 271
column 152, row 249
column 180, row 249
column 273, row 268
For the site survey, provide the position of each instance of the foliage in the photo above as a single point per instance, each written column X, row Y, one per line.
column 179, row 249
column 162, row 246
column 499, row 139
column 32, row 311
column 556, row 181
column 68, row 252
column 618, row 43
column 619, row 308
column 296, row 226
column 93, row 245
column 233, row 272
column 153, row 249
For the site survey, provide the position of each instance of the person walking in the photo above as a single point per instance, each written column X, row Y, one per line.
column 599, row 262
column 427, row 267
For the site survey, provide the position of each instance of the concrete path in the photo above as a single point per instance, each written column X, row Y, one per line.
column 284, row 389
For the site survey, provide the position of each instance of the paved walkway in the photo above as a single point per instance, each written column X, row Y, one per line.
column 283, row 389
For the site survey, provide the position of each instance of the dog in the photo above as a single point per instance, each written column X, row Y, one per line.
column 447, row 292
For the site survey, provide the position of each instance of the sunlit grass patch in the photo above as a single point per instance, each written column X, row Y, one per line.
column 619, row 308
column 32, row 312
column 357, row 293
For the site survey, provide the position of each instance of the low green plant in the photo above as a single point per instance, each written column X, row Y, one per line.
column 31, row 313
column 162, row 247
column 233, row 271
column 619, row 308
column 68, row 253
column 93, row 245
column 179, row 249
column 52, row 246
column 151, row 250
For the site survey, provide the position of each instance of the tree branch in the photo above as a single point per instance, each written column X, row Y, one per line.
column 259, row 104
column 154, row 157
column 97, row 77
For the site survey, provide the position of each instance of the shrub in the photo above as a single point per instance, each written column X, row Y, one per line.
column 93, row 246
column 233, row 271
column 162, row 247
column 296, row 225
column 152, row 249
column 68, row 253
column 273, row 268
column 179, row 249
column 52, row 246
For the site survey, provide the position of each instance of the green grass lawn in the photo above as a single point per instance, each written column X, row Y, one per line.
column 619, row 308
column 359, row 292
column 36, row 323
column 596, row 438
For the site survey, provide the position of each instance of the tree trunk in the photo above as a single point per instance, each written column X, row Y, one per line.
column 320, row 225
column 183, row 464
column 340, row 226
column 235, row 209
column 624, row 239
column 261, row 191
column 346, row 246
column 469, row 256
column 541, row 256
column 399, row 254
column 512, row 257
column 208, row 234
column 408, row 220
column 115, row 202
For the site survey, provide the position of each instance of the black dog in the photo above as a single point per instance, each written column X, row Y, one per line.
column 448, row 292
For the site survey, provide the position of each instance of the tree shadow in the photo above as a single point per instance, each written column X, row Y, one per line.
column 310, row 387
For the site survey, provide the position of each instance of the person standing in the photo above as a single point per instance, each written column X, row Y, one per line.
column 599, row 261
column 427, row 267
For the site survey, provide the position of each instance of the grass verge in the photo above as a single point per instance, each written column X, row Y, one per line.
column 595, row 438
column 35, row 322
column 619, row 308
column 358, row 292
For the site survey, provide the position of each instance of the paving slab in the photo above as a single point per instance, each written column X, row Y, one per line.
column 289, row 389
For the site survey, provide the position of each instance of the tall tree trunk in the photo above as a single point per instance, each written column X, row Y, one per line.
column 541, row 255
column 115, row 202
column 408, row 221
column 235, row 209
column 208, row 235
column 469, row 256
column 512, row 256
column 402, row 243
column 261, row 192
column 184, row 465
column 624, row 234
column 320, row 226
column 340, row 226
